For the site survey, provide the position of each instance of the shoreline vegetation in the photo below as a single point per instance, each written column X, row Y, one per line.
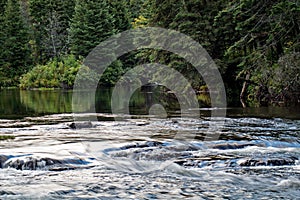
column 6, row 137
column 256, row 44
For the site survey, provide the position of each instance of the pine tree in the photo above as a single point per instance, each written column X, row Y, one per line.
column 254, row 38
column 121, row 15
column 92, row 23
column 2, row 39
column 50, row 25
column 2, row 34
column 15, row 54
column 135, row 8
column 2, row 6
column 194, row 18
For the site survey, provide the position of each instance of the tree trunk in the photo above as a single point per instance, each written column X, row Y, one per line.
column 243, row 92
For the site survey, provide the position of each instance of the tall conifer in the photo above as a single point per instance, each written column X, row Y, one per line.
column 15, row 53
column 91, row 24
column 51, row 19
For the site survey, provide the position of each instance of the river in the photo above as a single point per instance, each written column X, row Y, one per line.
column 52, row 156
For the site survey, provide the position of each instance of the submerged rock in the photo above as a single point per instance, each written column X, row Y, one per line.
column 232, row 161
column 204, row 161
column 3, row 159
column 79, row 125
column 31, row 163
column 269, row 162
column 227, row 146
column 143, row 145
column 142, row 123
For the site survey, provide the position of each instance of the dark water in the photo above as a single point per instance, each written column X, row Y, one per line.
column 23, row 103
column 17, row 104
column 256, row 154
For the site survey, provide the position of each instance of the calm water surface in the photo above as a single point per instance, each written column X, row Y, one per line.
column 139, row 157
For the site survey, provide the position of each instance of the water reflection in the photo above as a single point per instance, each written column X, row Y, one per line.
column 22, row 103
column 43, row 102
column 11, row 106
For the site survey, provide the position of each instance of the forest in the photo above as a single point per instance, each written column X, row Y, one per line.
column 255, row 43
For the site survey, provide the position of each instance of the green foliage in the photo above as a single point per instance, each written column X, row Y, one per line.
column 58, row 73
column 256, row 36
column 259, row 39
column 120, row 13
column 192, row 17
column 135, row 8
column 140, row 21
column 14, row 44
column 112, row 74
column 7, row 137
column 244, row 37
column 50, row 27
column 91, row 24
column 277, row 83
column 2, row 6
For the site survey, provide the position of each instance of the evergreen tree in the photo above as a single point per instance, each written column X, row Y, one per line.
column 135, row 8
column 194, row 18
column 2, row 6
column 255, row 36
column 249, row 40
column 2, row 10
column 121, row 15
column 92, row 23
column 15, row 55
column 2, row 39
column 51, row 20
column 2, row 34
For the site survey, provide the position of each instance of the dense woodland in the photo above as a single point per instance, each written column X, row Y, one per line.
column 255, row 43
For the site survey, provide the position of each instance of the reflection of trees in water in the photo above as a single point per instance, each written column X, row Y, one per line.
column 54, row 101
column 10, row 105
column 60, row 101
column 141, row 101
column 148, row 96
column 160, row 95
column 103, row 100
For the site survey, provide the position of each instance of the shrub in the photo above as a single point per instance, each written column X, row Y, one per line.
column 57, row 73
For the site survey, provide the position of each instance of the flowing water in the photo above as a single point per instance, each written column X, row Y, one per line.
column 141, row 157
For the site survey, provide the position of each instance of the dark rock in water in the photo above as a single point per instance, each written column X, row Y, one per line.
column 208, row 160
column 269, row 162
column 231, row 146
column 3, row 159
column 144, row 145
column 231, row 161
column 30, row 163
column 175, row 121
column 60, row 169
column 79, row 125
column 51, row 164
column 142, row 123
column 2, row 193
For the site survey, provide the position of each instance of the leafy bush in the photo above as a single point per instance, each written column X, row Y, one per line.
column 58, row 73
